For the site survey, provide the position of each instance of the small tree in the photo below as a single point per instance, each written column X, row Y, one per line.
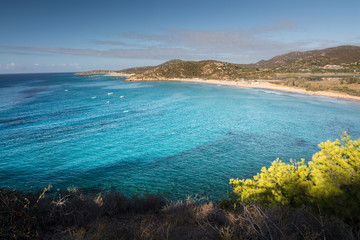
column 281, row 184
column 331, row 181
column 335, row 173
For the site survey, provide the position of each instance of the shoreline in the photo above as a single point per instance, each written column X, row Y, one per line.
column 116, row 74
column 264, row 84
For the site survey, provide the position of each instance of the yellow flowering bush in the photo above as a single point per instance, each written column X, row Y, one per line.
column 280, row 184
column 331, row 181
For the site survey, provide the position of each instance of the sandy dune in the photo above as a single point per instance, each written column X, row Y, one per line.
column 267, row 85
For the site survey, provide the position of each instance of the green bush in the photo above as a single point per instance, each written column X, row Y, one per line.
column 330, row 182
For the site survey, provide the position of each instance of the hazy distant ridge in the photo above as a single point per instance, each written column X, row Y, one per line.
column 329, row 56
column 128, row 71
column 342, row 57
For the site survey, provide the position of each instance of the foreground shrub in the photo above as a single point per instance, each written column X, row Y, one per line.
column 19, row 214
column 281, row 184
column 336, row 178
column 35, row 216
column 331, row 181
column 110, row 215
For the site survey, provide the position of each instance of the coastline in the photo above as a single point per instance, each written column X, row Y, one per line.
column 116, row 74
column 264, row 84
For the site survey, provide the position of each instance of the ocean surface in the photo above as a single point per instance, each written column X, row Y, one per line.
column 102, row 133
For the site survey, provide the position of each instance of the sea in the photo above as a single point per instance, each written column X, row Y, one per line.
column 181, row 139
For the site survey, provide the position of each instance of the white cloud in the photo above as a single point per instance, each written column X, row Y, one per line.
column 10, row 65
column 111, row 43
column 237, row 45
column 75, row 65
column 150, row 53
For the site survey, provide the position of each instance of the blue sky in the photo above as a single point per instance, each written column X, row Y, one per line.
column 79, row 35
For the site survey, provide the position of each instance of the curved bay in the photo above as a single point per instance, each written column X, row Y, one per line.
column 177, row 138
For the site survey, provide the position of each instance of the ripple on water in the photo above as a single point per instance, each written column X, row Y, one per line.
column 180, row 138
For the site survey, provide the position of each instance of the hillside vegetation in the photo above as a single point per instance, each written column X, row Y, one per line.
column 337, row 60
column 207, row 69
column 129, row 71
column 77, row 215
column 342, row 59
column 346, row 57
column 333, row 69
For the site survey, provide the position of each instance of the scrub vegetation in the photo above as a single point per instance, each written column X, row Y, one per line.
column 333, row 69
column 330, row 182
column 207, row 69
column 315, row 200
column 344, row 84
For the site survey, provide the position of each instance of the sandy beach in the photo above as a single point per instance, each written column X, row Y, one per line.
column 267, row 85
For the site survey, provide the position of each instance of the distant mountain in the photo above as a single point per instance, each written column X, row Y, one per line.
column 206, row 69
column 138, row 70
column 342, row 58
column 342, row 55
column 94, row 72
column 129, row 71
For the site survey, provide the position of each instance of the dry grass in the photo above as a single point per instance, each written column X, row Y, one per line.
column 111, row 215
column 349, row 85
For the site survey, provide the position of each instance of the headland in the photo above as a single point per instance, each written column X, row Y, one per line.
column 332, row 72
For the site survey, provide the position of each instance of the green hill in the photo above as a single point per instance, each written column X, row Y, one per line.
column 335, row 59
column 128, row 71
column 347, row 57
column 94, row 72
column 206, row 69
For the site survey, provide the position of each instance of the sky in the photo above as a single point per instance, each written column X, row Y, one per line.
column 81, row 35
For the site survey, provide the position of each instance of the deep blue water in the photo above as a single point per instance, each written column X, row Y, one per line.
column 180, row 138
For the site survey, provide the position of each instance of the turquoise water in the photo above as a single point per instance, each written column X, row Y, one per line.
column 177, row 138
